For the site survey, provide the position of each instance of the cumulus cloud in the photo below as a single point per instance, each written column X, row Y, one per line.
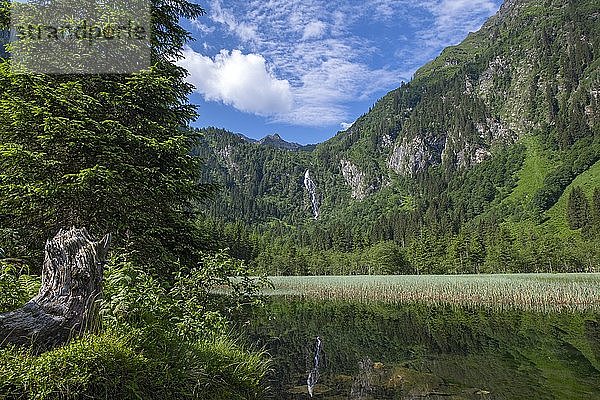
column 241, row 80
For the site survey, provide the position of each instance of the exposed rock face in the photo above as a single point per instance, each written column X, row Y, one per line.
column 387, row 141
column 494, row 131
column 497, row 68
column 413, row 156
column 225, row 156
column 356, row 179
column 471, row 155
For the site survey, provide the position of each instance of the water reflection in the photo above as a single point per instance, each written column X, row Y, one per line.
column 379, row 351
column 313, row 376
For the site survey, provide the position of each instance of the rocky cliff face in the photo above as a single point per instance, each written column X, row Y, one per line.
column 413, row 156
column 356, row 179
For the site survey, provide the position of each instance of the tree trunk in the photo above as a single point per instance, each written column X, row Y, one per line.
column 66, row 303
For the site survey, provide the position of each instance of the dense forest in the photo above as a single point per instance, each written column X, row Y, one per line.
column 486, row 161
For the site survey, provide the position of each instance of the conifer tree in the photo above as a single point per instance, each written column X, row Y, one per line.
column 578, row 209
column 595, row 212
column 110, row 152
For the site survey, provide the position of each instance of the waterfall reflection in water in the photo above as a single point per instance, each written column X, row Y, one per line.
column 424, row 351
column 313, row 376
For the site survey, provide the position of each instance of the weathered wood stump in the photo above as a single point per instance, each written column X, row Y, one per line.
column 66, row 303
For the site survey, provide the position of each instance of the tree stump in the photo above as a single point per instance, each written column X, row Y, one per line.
column 66, row 303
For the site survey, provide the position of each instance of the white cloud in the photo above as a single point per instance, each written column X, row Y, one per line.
column 240, row 80
column 314, row 30
column 246, row 31
column 328, row 69
column 454, row 18
column 443, row 23
column 203, row 28
column 459, row 7
column 346, row 125
column 322, row 92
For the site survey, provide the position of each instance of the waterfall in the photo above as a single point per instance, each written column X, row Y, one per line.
column 313, row 376
column 311, row 188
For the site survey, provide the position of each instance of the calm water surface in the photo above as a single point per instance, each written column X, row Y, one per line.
column 383, row 351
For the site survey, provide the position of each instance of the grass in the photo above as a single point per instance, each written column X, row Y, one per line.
column 112, row 365
column 535, row 292
column 535, row 168
column 589, row 180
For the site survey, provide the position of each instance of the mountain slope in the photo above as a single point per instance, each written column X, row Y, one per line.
column 454, row 148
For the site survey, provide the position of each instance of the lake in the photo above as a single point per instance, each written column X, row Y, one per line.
column 350, row 345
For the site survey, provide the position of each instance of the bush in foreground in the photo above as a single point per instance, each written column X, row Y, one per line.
column 147, row 346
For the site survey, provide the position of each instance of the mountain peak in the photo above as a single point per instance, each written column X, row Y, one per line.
column 274, row 136
column 274, row 140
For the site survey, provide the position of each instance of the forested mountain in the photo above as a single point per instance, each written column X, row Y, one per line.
column 487, row 160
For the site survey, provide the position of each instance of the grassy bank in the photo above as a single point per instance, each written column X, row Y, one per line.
column 146, row 347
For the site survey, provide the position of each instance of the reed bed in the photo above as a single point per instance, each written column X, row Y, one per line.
column 535, row 292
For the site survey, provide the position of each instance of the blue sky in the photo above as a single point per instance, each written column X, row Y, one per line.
column 307, row 69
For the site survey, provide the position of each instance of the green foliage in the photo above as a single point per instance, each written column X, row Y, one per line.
column 111, row 153
column 578, row 209
column 73, row 156
column 475, row 98
column 198, row 301
column 133, row 366
column 531, row 177
column 16, row 286
column 471, row 194
column 212, row 291
column 390, row 258
column 458, row 225
column 595, row 211
column 259, row 181
column 577, row 160
column 555, row 219
column 157, row 341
